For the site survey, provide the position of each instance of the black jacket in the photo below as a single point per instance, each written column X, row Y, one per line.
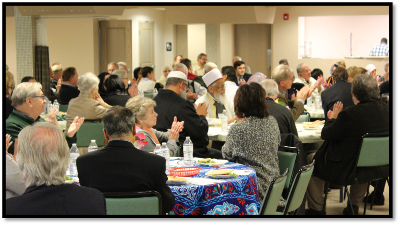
column 283, row 116
column 66, row 93
column 340, row 91
column 117, row 98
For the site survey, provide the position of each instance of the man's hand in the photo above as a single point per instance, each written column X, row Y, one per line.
column 329, row 114
column 317, row 84
column 133, row 89
column 190, row 95
column 304, row 93
column 58, row 84
column 202, row 109
column 337, row 108
column 242, row 82
column 52, row 116
column 8, row 143
column 75, row 125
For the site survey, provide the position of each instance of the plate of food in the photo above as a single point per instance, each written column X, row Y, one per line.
column 221, row 174
column 177, row 180
column 211, row 162
column 309, row 126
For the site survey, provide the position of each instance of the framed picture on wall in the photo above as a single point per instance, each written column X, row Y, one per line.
column 169, row 46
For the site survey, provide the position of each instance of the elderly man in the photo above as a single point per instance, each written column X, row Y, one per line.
column 240, row 68
column 279, row 112
column 195, row 88
column 380, row 50
column 69, row 88
column 216, row 98
column 43, row 158
column 337, row 157
column 170, row 104
column 120, row 166
column 28, row 102
column 198, row 69
column 284, row 78
column 231, row 85
column 57, row 76
column 304, row 78
column 209, row 66
column 340, row 91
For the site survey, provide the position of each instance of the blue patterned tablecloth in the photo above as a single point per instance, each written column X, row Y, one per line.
column 237, row 196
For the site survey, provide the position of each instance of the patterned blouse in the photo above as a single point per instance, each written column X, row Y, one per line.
column 254, row 142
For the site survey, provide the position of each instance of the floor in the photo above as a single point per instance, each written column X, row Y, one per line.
column 335, row 207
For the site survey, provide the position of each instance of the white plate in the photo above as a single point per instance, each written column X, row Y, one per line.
column 221, row 176
column 218, row 162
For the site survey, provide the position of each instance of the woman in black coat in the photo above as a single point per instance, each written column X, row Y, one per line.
column 116, row 92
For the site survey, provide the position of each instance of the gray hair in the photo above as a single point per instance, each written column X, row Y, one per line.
column 270, row 87
column 121, row 65
column 280, row 73
column 201, row 55
column 118, row 121
column 23, row 91
column 365, row 88
column 209, row 66
column 121, row 73
column 87, row 82
column 299, row 68
column 43, row 154
column 173, row 81
column 238, row 58
column 183, row 66
column 138, row 105
column 112, row 63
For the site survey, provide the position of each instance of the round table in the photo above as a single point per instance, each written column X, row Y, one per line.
column 207, row 196
column 315, row 113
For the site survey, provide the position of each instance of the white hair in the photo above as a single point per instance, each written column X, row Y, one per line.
column 112, row 63
column 280, row 73
column 121, row 65
column 87, row 82
column 121, row 73
column 238, row 58
column 183, row 66
column 23, row 91
column 270, row 87
column 138, row 105
column 43, row 154
column 209, row 66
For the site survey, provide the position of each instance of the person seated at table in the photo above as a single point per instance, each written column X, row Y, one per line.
column 279, row 112
column 257, row 77
column 116, row 92
column 43, row 158
column 146, row 118
column 170, row 104
column 28, row 102
column 329, row 81
column 10, row 85
column 304, row 78
column 163, row 78
column 120, row 166
column 88, row 104
column 216, row 99
column 255, row 139
column 68, row 89
column 14, row 184
column 148, row 82
column 284, row 78
column 137, row 74
column 336, row 158
column 231, row 84
column 196, row 90
column 340, row 91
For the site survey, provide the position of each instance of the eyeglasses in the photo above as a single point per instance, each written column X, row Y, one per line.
column 221, row 87
column 167, row 71
column 305, row 71
column 39, row 97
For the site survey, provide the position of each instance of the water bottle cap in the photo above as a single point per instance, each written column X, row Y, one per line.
column 73, row 144
column 187, row 137
column 93, row 140
column 157, row 145
column 164, row 143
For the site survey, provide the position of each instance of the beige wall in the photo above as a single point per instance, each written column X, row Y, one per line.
column 227, row 39
column 285, row 35
column 196, row 41
column 11, row 50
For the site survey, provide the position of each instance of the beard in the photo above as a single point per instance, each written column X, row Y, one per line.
column 183, row 95
column 223, row 99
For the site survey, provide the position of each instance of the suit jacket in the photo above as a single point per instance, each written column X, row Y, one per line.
column 65, row 199
column 246, row 76
column 120, row 167
column 283, row 117
column 337, row 157
column 66, row 93
column 296, row 107
column 341, row 91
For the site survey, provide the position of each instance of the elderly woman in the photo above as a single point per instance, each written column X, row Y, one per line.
column 88, row 104
column 255, row 139
column 146, row 118
column 163, row 79
column 10, row 84
column 117, row 94
column 257, row 77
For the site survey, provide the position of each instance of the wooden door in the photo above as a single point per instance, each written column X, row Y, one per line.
column 146, row 43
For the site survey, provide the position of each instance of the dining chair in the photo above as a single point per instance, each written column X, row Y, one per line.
column 305, row 117
column 287, row 159
column 298, row 189
column 63, row 108
column 133, row 203
column 148, row 94
column 88, row 132
column 373, row 152
column 273, row 195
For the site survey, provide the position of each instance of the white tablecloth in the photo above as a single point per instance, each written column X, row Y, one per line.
column 314, row 113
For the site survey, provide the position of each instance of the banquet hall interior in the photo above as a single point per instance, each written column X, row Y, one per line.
column 89, row 37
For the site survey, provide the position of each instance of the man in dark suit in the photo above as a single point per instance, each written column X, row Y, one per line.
column 335, row 160
column 170, row 104
column 340, row 91
column 120, row 166
column 43, row 157
column 69, row 88
column 240, row 68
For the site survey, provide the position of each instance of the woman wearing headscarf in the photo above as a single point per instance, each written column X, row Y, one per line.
column 163, row 79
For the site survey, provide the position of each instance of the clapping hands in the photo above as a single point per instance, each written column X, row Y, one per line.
column 337, row 108
column 175, row 129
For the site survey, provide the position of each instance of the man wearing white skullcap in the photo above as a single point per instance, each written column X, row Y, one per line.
column 216, row 98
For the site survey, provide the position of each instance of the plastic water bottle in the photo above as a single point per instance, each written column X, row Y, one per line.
column 165, row 153
column 140, row 93
column 57, row 107
column 157, row 150
column 318, row 104
column 73, row 155
column 188, row 152
column 49, row 107
column 224, row 121
column 309, row 101
column 93, row 146
column 155, row 92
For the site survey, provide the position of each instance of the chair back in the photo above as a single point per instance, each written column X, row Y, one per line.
column 298, row 188
column 374, row 150
column 287, row 159
column 63, row 108
column 305, row 117
column 88, row 132
column 148, row 94
column 273, row 195
column 133, row 203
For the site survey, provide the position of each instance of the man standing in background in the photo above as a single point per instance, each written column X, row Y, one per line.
column 198, row 69
column 380, row 50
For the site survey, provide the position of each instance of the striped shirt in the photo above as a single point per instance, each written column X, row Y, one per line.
column 380, row 50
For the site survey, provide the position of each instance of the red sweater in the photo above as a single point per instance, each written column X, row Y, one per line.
column 191, row 76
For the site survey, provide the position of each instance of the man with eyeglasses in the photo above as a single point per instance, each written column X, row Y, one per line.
column 28, row 101
column 304, row 77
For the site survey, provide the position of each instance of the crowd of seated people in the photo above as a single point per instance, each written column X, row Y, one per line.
column 190, row 98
